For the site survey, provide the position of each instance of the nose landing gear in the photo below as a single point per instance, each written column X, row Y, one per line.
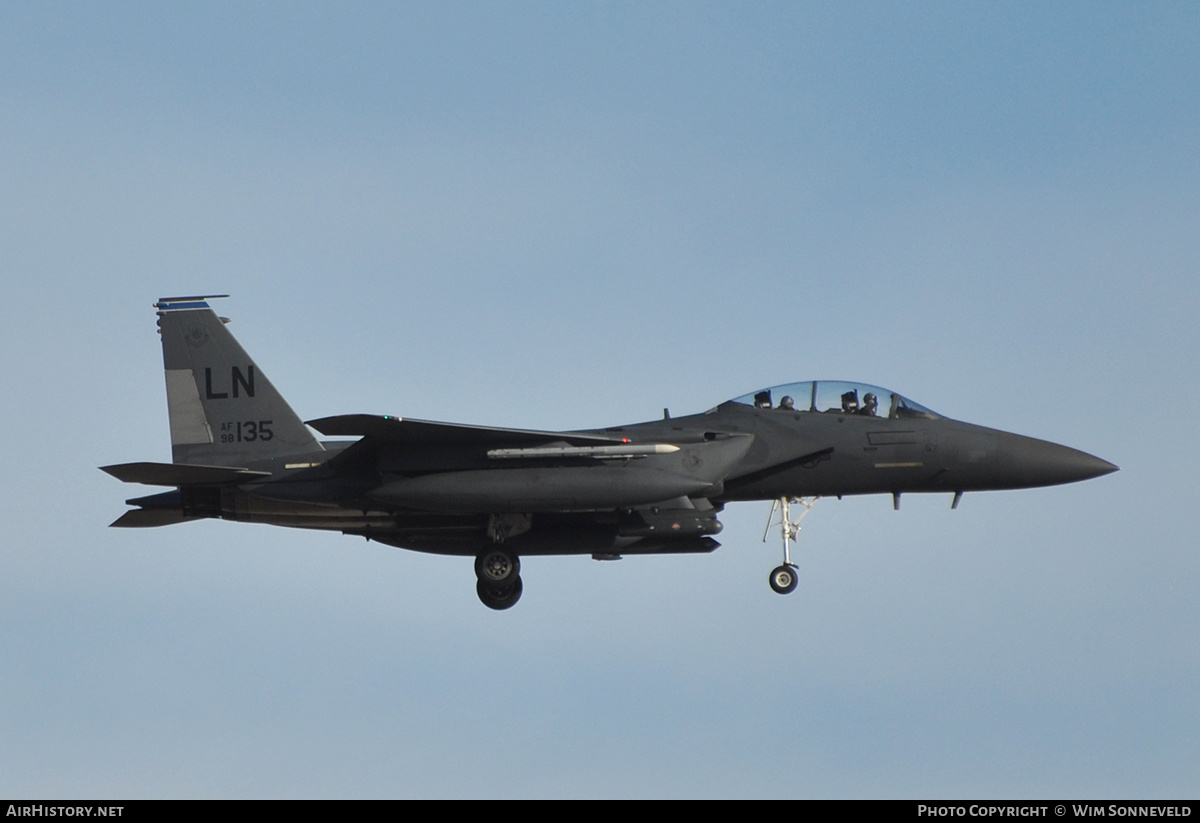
column 784, row 578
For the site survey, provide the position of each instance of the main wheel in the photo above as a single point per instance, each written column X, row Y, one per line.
column 497, row 567
column 783, row 579
column 500, row 597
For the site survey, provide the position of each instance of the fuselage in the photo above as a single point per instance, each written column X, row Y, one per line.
column 444, row 500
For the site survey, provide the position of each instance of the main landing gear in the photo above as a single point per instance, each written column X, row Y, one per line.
column 784, row 578
column 499, row 572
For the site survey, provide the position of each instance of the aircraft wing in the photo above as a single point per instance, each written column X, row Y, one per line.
column 387, row 429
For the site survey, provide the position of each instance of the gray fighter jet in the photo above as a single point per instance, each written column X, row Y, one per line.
column 239, row 452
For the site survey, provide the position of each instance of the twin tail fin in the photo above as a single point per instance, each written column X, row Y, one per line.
column 222, row 408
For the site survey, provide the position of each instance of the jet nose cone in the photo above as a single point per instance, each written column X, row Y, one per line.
column 1077, row 465
column 1100, row 467
column 1035, row 462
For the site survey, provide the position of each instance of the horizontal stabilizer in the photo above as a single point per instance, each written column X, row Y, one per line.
column 148, row 518
column 418, row 432
column 181, row 474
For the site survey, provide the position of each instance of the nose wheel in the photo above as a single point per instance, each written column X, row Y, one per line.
column 784, row 578
column 499, row 578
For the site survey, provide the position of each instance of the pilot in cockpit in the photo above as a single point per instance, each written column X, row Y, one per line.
column 869, row 405
column 787, row 404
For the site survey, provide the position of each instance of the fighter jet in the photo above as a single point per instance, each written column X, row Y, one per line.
column 498, row 495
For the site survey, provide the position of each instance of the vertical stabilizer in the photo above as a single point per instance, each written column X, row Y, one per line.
column 223, row 409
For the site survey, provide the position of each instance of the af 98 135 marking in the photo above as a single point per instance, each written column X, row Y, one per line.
column 246, row 431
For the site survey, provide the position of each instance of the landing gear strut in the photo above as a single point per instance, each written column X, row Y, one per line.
column 499, row 572
column 783, row 578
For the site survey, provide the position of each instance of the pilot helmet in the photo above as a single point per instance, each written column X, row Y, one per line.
column 787, row 402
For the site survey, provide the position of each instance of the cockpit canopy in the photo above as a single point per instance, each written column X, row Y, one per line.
column 837, row 397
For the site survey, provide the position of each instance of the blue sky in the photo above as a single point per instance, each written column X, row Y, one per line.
column 573, row 215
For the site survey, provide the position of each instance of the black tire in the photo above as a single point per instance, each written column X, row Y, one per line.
column 500, row 597
column 497, row 567
column 784, row 579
